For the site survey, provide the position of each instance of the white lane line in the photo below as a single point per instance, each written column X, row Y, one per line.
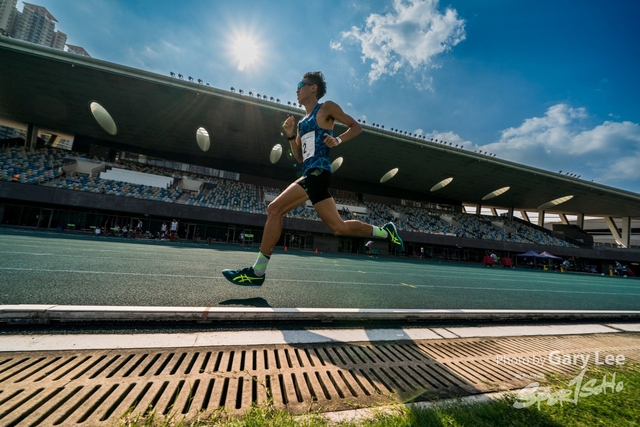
column 438, row 276
column 103, row 258
column 112, row 273
column 322, row 282
column 26, row 253
column 474, row 275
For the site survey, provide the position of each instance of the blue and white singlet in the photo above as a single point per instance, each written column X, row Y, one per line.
column 315, row 153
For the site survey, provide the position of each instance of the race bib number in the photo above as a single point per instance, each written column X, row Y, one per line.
column 308, row 145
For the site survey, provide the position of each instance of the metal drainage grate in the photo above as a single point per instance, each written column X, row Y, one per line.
column 97, row 387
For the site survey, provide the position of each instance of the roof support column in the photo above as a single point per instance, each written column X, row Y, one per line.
column 32, row 137
column 614, row 229
column 525, row 216
column 510, row 214
column 626, row 231
column 540, row 218
column 580, row 221
column 564, row 219
column 478, row 209
column 494, row 212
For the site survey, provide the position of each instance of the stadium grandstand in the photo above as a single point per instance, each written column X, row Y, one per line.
column 218, row 167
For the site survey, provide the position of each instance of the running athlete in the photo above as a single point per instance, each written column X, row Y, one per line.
column 310, row 146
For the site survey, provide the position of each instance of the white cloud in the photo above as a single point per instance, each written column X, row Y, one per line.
column 624, row 169
column 409, row 36
column 607, row 137
column 149, row 52
column 450, row 137
column 335, row 45
column 562, row 140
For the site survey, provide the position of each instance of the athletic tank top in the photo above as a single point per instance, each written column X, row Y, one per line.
column 315, row 153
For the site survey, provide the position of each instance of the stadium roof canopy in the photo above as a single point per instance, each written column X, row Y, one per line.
column 159, row 116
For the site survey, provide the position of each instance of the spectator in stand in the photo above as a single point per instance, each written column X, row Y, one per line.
column 628, row 271
column 174, row 230
column 367, row 247
column 618, row 269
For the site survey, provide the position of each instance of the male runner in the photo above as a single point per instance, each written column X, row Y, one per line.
column 310, row 146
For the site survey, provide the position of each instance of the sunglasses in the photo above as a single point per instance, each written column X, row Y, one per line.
column 303, row 83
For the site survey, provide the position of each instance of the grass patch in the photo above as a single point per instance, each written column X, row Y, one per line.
column 610, row 407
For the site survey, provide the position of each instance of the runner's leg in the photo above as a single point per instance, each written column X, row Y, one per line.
column 288, row 200
column 328, row 213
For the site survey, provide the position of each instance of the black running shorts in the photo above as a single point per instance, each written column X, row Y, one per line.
column 316, row 183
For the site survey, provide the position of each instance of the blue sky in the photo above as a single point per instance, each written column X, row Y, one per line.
column 547, row 83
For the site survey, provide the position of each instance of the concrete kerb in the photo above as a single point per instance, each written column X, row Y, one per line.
column 43, row 314
column 360, row 415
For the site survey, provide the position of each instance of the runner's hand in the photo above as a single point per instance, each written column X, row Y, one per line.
column 289, row 125
column 330, row 141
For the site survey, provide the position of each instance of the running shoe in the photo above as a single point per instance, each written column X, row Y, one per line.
column 393, row 237
column 244, row 277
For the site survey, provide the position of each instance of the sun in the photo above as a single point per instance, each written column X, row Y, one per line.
column 246, row 51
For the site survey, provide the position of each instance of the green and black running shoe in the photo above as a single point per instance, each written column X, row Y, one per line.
column 244, row 277
column 393, row 237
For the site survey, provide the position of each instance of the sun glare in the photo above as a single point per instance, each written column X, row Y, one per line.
column 246, row 52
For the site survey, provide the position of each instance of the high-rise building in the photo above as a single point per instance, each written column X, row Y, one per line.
column 7, row 14
column 78, row 49
column 59, row 40
column 36, row 24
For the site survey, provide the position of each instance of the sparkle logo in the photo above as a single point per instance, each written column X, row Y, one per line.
column 533, row 394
